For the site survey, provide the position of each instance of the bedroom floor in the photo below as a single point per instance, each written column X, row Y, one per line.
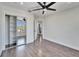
column 44, row 48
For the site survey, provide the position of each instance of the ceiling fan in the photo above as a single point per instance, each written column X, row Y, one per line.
column 44, row 7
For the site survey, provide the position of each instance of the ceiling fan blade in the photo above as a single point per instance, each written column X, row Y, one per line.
column 51, row 9
column 40, row 4
column 50, row 4
column 43, row 12
column 37, row 9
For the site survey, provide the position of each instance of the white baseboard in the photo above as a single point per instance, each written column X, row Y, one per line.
column 62, row 43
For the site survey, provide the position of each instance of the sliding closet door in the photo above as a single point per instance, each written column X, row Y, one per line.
column 15, row 31
column 12, row 30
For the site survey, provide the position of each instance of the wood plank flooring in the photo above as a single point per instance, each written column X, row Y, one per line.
column 41, row 49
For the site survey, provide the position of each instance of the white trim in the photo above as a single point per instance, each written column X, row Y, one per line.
column 62, row 43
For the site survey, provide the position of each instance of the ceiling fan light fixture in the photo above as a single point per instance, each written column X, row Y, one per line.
column 45, row 9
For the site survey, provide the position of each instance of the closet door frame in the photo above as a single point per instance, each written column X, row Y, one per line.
column 8, row 34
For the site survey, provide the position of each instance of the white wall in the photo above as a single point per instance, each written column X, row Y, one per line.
column 30, row 29
column 0, row 31
column 0, row 36
column 15, row 12
column 63, row 28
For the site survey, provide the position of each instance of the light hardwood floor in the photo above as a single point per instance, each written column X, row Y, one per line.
column 41, row 49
